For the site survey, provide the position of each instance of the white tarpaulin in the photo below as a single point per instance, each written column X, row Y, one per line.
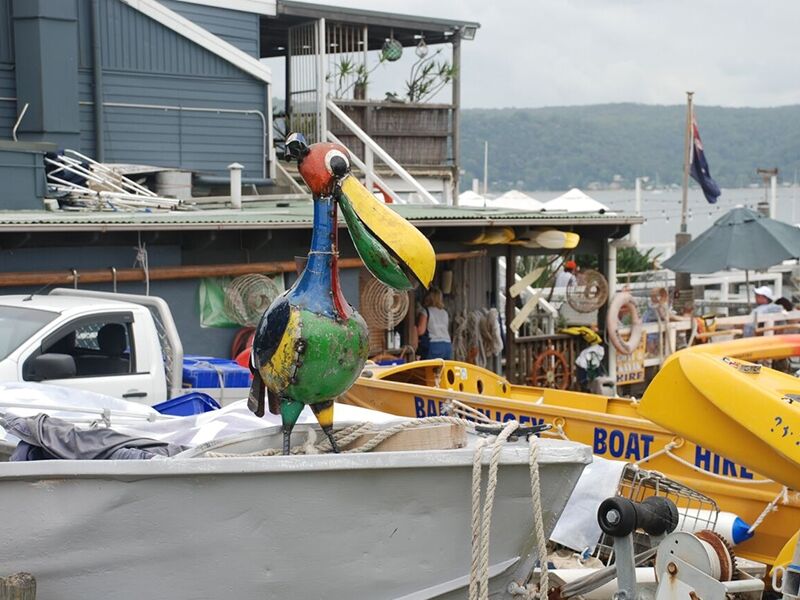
column 514, row 200
column 575, row 201
column 578, row 528
column 472, row 199
column 131, row 418
column 518, row 201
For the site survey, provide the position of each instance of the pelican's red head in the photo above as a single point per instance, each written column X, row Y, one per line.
column 321, row 165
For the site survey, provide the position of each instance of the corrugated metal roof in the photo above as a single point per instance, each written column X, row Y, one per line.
column 296, row 215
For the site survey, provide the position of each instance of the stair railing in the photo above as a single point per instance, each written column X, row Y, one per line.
column 375, row 178
column 372, row 149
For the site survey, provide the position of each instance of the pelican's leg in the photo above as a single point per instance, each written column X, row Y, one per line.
column 324, row 413
column 255, row 399
column 290, row 411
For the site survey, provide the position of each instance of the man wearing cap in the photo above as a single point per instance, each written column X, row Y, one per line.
column 564, row 277
column 765, row 303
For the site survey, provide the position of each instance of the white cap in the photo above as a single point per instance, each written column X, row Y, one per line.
column 765, row 291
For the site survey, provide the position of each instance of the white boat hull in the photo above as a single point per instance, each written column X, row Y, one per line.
column 376, row 525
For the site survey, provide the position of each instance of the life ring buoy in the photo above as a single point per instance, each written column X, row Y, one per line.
column 620, row 300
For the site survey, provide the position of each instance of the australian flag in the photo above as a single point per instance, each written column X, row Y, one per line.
column 699, row 168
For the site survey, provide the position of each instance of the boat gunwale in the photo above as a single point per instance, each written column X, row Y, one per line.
column 550, row 452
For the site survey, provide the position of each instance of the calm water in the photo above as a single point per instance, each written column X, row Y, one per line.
column 662, row 209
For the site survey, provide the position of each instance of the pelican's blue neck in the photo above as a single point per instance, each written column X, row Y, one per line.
column 314, row 288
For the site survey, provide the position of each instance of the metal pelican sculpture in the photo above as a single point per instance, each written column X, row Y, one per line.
column 310, row 344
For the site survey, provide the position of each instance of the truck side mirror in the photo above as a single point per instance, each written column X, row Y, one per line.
column 50, row 366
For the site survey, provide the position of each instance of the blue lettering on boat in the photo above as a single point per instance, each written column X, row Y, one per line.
column 714, row 463
column 634, row 446
column 419, row 407
column 428, row 407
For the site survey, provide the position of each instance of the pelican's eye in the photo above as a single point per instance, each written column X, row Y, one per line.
column 337, row 163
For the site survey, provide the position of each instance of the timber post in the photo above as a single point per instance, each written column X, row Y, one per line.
column 19, row 586
column 511, row 270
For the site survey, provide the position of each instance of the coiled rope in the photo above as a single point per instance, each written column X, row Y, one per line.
column 460, row 342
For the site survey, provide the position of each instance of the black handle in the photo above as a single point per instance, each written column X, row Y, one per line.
column 135, row 395
column 619, row 516
column 657, row 515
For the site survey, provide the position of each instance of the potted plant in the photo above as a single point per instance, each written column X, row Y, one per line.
column 350, row 75
column 343, row 70
column 360, row 84
column 427, row 77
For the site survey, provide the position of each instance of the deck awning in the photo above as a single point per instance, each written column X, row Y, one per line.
column 406, row 29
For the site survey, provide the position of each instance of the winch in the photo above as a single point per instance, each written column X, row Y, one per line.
column 695, row 565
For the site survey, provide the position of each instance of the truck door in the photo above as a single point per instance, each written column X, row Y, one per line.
column 103, row 350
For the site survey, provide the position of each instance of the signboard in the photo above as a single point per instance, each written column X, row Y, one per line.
column 630, row 367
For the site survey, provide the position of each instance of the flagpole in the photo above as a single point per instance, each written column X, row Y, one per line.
column 683, row 281
column 687, row 157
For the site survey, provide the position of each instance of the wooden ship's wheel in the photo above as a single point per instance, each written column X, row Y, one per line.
column 551, row 370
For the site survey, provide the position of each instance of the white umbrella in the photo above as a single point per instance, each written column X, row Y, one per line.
column 575, row 201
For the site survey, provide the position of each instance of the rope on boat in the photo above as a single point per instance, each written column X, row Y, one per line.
column 665, row 450
column 474, row 582
column 724, row 478
column 783, row 495
column 538, row 519
column 459, row 409
column 488, row 503
column 347, row 436
column 772, row 505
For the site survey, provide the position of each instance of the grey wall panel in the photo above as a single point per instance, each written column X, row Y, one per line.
column 202, row 141
column 237, row 93
column 85, row 34
column 87, row 145
column 240, row 29
column 8, row 108
column 86, row 113
column 133, row 42
column 6, row 33
column 145, row 63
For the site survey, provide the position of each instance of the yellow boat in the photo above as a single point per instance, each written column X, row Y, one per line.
column 613, row 428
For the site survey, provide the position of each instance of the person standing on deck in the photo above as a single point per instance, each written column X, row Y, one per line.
column 765, row 303
column 566, row 276
column 433, row 323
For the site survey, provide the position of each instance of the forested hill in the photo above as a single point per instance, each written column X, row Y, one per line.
column 562, row 147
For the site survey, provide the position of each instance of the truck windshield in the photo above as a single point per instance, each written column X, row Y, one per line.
column 18, row 324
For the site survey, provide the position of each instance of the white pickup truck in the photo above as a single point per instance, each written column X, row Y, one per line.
column 121, row 345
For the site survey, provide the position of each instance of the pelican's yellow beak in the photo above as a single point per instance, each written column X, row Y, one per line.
column 387, row 243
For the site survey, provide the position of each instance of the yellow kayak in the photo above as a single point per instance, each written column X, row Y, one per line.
column 613, row 428
column 736, row 408
column 751, row 348
column 754, row 411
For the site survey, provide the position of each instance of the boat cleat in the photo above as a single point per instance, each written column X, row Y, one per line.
column 526, row 432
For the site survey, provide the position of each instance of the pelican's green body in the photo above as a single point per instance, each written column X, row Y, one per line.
column 310, row 345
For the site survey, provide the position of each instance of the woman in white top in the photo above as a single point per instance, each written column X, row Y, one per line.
column 433, row 327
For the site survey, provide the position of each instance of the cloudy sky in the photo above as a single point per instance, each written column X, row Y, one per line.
column 531, row 53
